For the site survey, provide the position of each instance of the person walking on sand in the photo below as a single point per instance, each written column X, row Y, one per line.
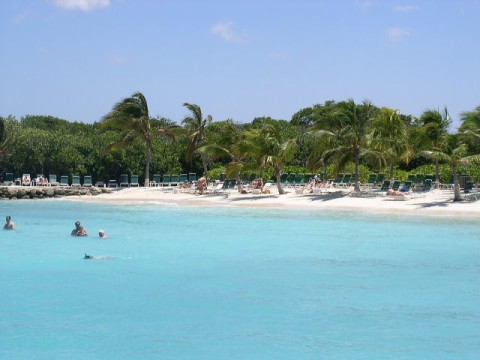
column 10, row 225
column 79, row 230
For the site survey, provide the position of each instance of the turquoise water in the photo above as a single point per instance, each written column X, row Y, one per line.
column 230, row 283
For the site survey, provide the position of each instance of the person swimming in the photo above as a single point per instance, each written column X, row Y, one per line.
column 10, row 225
column 92, row 257
column 79, row 230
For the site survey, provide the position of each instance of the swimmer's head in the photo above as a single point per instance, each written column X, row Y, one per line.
column 101, row 233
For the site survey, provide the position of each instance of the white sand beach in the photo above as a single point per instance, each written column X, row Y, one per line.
column 431, row 203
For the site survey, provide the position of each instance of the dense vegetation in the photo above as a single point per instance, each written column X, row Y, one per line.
column 326, row 138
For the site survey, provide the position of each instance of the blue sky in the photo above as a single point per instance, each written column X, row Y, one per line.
column 74, row 59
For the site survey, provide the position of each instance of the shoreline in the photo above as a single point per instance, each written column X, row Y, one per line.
column 432, row 203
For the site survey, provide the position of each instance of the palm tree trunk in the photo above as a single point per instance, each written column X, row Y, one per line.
column 204, row 163
column 147, row 165
column 357, row 183
column 278, row 174
column 239, row 183
column 456, row 186
column 392, row 171
column 437, row 174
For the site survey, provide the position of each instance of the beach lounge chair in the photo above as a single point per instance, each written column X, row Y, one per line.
column 385, row 185
column 26, row 180
column 346, row 180
column 372, row 179
column 134, row 180
column 64, row 180
column 223, row 177
column 380, row 179
column 284, row 179
column 124, row 180
column 428, row 184
column 87, row 181
column 174, row 180
column 468, row 187
column 192, row 177
column 183, row 179
column 53, row 180
column 396, row 185
column 156, row 181
column 166, row 180
column 112, row 183
column 76, row 180
column 8, row 179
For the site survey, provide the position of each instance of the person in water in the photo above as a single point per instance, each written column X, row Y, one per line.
column 10, row 225
column 79, row 230
column 92, row 257
column 102, row 234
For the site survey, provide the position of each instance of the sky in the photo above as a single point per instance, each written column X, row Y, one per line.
column 74, row 59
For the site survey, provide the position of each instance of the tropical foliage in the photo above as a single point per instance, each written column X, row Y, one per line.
column 325, row 139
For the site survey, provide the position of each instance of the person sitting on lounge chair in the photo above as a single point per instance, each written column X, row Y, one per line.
column 26, row 179
column 391, row 192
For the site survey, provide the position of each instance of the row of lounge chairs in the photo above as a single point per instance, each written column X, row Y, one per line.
column 173, row 180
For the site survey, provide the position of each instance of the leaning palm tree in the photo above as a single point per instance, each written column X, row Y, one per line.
column 130, row 116
column 454, row 154
column 195, row 125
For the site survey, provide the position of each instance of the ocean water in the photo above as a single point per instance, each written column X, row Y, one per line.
column 236, row 283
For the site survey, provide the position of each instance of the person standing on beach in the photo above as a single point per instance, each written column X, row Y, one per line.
column 79, row 230
column 10, row 225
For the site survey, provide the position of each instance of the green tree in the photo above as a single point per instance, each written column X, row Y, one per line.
column 454, row 153
column 350, row 134
column 131, row 117
column 270, row 145
column 195, row 125
column 390, row 135
column 435, row 134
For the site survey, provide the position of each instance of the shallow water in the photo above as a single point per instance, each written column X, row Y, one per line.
column 236, row 283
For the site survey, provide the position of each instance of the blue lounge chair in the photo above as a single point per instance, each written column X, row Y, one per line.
column 192, row 177
column 53, row 180
column 156, row 181
column 124, row 180
column 8, row 179
column 134, row 180
column 76, row 180
column 64, row 180
column 166, row 180
column 87, row 181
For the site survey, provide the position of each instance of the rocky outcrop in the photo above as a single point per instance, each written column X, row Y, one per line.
column 41, row 192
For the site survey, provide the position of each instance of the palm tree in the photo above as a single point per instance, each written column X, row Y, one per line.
column 435, row 132
column 454, row 154
column 271, row 147
column 349, row 131
column 130, row 116
column 232, row 144
column 195, row 126
column 390, row 133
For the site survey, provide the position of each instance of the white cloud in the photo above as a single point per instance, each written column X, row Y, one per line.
column 225, row 31
column 365, row 4
column 84, row 5
column 118, row 59
column 405, row 8
column 396, row 34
